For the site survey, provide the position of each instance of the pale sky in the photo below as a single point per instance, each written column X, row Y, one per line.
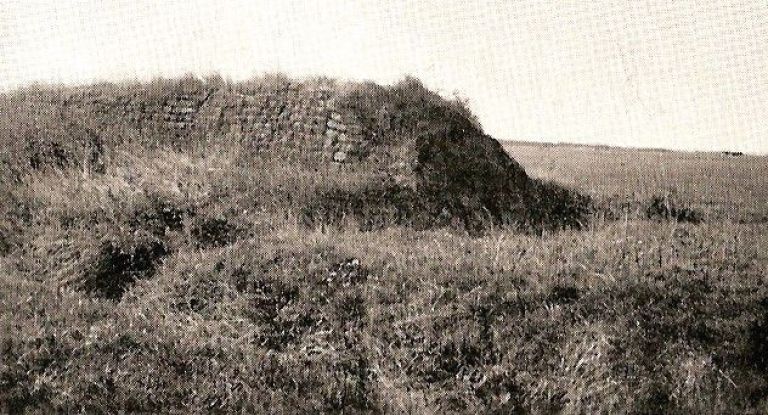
column 678, row 74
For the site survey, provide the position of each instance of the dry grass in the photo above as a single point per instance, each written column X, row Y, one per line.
column 630, row 316
column 185, row 281
column 725, row 187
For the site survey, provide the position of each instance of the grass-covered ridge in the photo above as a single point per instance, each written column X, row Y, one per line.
column 423, row 161
column 210, row 275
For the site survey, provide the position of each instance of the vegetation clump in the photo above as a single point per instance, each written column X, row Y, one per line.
column 665, row 208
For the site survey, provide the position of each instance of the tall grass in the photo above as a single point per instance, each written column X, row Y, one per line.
column 258, row 313
column 191, row 279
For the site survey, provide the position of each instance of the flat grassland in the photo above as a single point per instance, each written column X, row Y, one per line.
column 238, row 307
column 724, row 186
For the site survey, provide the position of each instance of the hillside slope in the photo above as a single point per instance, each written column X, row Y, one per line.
column 150, row 268
column 427, row 160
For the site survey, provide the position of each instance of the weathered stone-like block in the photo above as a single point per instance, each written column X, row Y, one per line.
column 336, row 125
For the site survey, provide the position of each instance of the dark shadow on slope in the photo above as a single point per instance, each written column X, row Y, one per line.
column 458, row 176
column 541, row 208
column 214, row 232
column 120, row 263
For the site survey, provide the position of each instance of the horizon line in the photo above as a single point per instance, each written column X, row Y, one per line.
column 10, row 90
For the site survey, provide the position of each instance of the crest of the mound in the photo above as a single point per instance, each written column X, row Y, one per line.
column 441, row 168
column 428, row 159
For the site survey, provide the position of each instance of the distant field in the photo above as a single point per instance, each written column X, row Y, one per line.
column 727, row 187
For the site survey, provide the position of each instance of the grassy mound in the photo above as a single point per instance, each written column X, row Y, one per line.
column 429, row 163
column 443, row 170
column 151, row 265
